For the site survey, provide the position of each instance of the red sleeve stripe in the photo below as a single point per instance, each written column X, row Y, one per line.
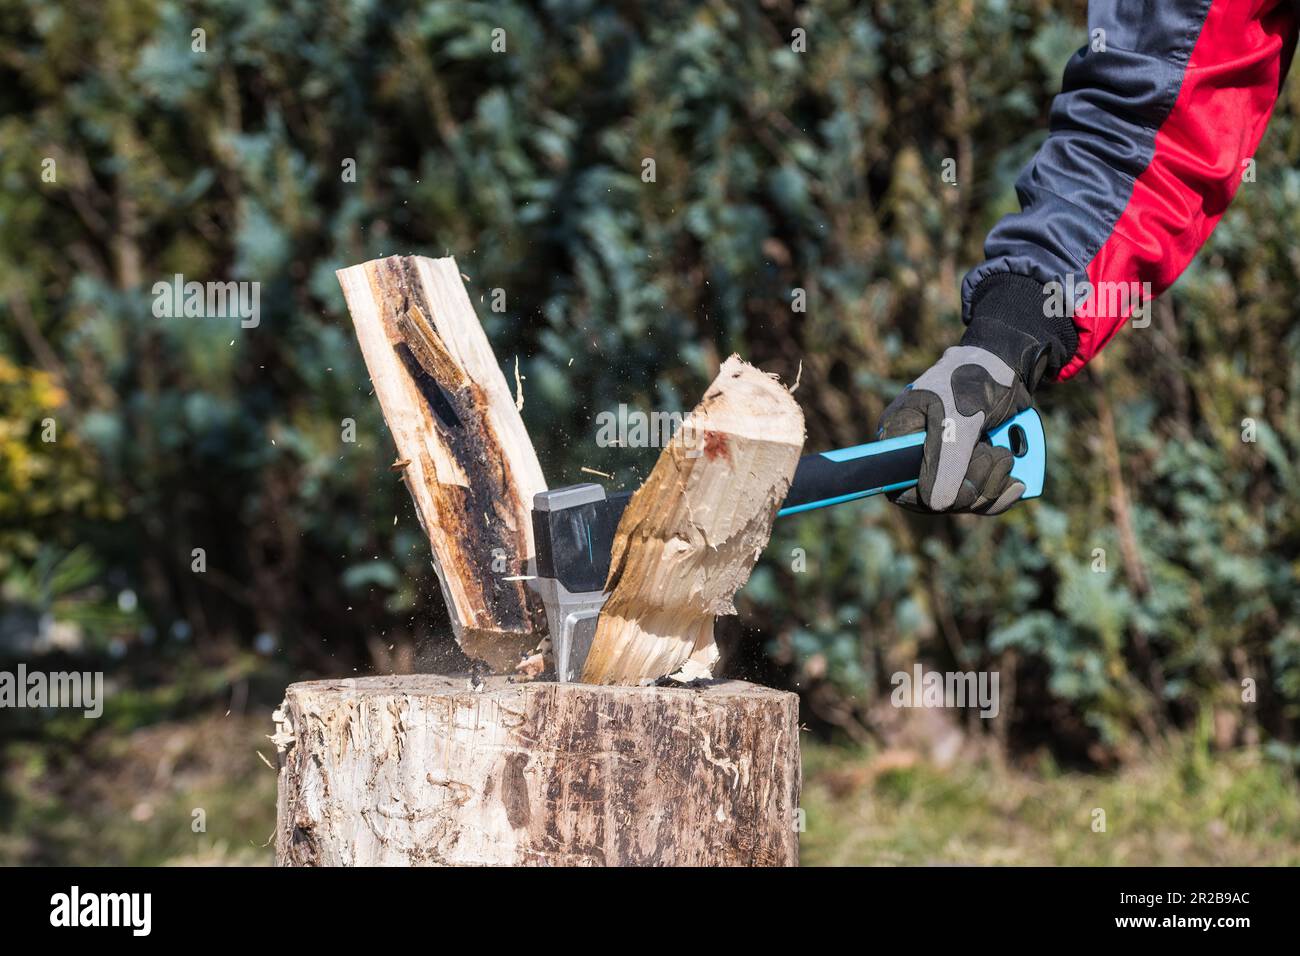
column 1223, row 106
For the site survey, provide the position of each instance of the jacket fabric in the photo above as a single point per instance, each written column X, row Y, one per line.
column 1155, row 125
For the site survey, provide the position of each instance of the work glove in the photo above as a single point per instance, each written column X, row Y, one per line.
column 1010, row 345
column 963, row 395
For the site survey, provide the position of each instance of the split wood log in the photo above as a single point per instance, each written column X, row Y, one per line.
column 461, row 445
column 425, row 770
column 691, row 534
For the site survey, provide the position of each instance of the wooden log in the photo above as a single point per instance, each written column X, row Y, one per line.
column 426, row 770
column 691, row 534
column 461, row 445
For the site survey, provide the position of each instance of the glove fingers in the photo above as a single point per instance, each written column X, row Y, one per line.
column 996, row 475
column 949, row 443
column 986, row 485
column 1007, row 498
column 922, row 411
column 908, row 499
column 947, row 459
column 971, row 493
column 906, row 414
column 984, row 506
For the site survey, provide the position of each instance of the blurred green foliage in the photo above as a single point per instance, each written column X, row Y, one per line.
column 775, row 170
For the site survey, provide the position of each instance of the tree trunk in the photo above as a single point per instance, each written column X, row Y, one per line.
column 428, row 770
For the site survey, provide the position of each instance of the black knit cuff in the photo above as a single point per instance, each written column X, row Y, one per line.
column 1013, row 317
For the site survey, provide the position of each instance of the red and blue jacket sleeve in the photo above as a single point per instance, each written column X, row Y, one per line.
column 1150, row 134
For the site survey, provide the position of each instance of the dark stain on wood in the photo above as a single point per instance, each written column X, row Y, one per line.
column 514, row 790
column 435, row 397
column 486, row 518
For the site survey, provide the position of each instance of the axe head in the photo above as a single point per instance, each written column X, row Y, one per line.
column 573, row 529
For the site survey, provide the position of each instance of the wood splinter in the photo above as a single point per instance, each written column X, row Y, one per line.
column 691, row 534
column 461, row 445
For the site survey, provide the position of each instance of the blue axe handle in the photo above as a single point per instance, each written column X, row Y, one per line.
column 892, row 464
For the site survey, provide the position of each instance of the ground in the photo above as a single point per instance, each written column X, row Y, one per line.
column 132, row 799
column 176, row 793
column 1182, row 806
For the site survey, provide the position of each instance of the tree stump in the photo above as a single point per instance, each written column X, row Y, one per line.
column 426, row 770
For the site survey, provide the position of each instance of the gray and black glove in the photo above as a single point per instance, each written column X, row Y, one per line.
column 967, row 392
column 972, row 389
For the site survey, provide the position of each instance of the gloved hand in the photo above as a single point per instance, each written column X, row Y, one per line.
column 968, row 392
column 1011, row 344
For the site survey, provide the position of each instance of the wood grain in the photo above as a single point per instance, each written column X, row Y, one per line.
column 424, row 770
column 462, row 449
column 691, row 534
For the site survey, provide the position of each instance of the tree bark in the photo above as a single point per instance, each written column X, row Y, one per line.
column 461, row 446
column 428, row 770
column 691, row 534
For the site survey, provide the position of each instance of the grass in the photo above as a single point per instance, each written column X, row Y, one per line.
column 1183, row 806
column 173, row 793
